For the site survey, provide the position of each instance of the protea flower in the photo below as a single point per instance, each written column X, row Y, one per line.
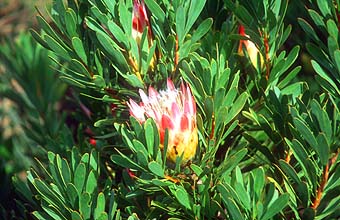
column 251, row 48
column 172, row 109
column 140, row 21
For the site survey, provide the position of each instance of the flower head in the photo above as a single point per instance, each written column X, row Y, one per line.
column 251, row 48
column 172, row 109
column 140, row 21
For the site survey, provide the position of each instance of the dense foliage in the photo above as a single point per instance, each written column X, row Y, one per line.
column 103, row 133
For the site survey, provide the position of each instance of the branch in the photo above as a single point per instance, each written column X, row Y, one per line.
column 323, row 183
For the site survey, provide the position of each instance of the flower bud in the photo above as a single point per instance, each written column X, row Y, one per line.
column 140, row 21
column 250, row 47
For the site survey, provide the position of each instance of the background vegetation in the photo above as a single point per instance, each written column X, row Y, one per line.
column 269, row 132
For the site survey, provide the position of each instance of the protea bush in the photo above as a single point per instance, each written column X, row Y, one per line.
column 182, row 109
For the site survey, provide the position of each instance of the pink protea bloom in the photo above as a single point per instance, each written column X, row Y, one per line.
column 251, row 48
column 172, row 109
column 140, row 21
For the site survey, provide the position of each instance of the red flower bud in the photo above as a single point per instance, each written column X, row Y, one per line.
column 93, row 142
column 250, row 47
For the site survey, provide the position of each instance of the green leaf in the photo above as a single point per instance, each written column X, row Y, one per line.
column 180, row 24
column 156, row 168
column 295, row 89
column 233, row 209
column 125, row 16
column 49, row 195
column 110, row 5
column 96, row 13
column 162, row 183
column 39, row 39
column 301, row 155
column 324, row 8
column 323, row 149
column 156, row 10
column 48, row 29
column 134, row 81
column 197, row 170
column 289, row 171
column 72, row 194
column 91, row 183
column 303, row 193
column 332, row 29
column 53, row 212
column 236, row 107
column 308, row 29
column 76, row 216
column 72, row 81
column 325, row 123
column 150, row 57
column 196, row 6
column 139, row 146
column 202, row 29
column 332, row 47
column 259, row 182
column 102, row 216
column 113, row 51
column 276, row 206
column 79, row 49
column 231, row 161
column 208, row 106
column 149, row 136
column 306, row 133
column 317, row 18
column 113, row 207
column 324, row 75
column 125, row 162
column 183, row 197
column 65, row 171
column 79, row 177
column 127, row 138
column 57, row 48
column 118, row 33
column 94, row 25
column 337, row 60
column 100, row 207
column 290, row 76
column 79, row 67
column 104, row 122
column 283, row 66
column 142, row 158
column 243, row 195
column 71, row 23
column 320, row 55
column 99, row 81
column 84, row 205
column 41, row 215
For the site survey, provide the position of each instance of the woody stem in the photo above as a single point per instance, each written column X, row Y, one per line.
column 288, row 156
column 176, row 54
column 323, row 183
column 266, row 47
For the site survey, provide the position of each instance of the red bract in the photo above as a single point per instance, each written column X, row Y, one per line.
column 250, row 47
column 140, row 20
column 172, row 109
